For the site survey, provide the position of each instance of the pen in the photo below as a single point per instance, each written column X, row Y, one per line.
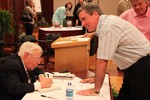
column 48, row 97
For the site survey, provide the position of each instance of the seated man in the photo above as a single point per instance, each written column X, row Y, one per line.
column 18, row 73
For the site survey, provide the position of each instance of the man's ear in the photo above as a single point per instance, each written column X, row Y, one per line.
column 95, row 13
column 25, row 54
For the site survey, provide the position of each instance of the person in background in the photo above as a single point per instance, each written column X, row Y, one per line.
column 123, row 5
column 76, row 21
column 30, row 7
column 122, row 42
column 19, row 74
column 139, row 16
column 60, row 14
column 89, row 1
column 148, row 3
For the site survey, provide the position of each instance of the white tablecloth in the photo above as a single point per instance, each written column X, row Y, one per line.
column 61, row 94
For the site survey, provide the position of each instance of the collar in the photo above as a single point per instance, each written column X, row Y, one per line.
column 147, row 14
column 24, row 65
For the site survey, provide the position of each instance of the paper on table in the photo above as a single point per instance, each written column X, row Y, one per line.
column 58, row 75
column 83, row 39
column 62, row 42
column 52, row 88
column 60, row 94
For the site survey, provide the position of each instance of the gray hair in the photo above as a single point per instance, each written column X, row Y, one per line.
column 28, row 47
column 90, row 8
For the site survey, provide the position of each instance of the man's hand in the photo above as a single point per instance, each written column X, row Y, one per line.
column 45, row 82
column 88, row 92
column 89, row 34
column 88, row 80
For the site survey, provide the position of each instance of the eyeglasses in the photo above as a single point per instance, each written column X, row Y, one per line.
column 36, row 58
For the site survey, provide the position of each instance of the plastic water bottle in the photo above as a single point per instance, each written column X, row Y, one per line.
column 69, row 91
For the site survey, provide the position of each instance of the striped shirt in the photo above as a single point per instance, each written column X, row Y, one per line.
column 120, row 41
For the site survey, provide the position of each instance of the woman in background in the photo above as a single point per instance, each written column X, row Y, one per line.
column 60, row 14
column 30, row 7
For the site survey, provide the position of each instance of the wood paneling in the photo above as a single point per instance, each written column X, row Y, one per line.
column 16, row 7
column 3, row 4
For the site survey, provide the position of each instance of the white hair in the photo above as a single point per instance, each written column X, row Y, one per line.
column 28, row 47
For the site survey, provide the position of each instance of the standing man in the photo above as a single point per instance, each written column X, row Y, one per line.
column 120, row 41
column 123, row 5
column 76, row 20
column 139, row 16
column 19, row 74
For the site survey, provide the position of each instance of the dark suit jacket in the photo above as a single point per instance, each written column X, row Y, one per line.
column 13, row 79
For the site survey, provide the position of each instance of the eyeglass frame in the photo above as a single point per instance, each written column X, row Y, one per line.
column 36, row 58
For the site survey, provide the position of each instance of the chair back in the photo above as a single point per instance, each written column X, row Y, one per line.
column 30, row 38
column 52, row 36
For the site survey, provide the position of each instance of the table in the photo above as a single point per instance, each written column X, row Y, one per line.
column 71, row 53
column 105, row 92
column 64, row 31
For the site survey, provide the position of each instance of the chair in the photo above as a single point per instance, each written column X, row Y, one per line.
column 26, row 38
column 49, row 52
column 12, row 48
column 8, row 49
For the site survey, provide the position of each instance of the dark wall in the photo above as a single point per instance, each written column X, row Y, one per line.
column 3, row 4
column 47, row 10
column 16, row 7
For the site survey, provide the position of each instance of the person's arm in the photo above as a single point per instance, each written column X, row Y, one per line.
column 45, row 82
column 89, row 34
column 88, row 80
column 31, row 10
column 101, row 66
column 100, row 71
column 15, row 80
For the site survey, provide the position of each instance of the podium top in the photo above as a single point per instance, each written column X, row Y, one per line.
column 70, row 41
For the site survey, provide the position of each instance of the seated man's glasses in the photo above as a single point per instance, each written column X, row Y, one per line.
column 36, row 58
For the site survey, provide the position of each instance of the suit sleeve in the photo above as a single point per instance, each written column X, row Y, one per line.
column 15, row 81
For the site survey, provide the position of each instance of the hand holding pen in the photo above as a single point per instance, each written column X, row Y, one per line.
column 45, row 81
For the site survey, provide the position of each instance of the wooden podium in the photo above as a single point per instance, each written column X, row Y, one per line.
column 71, row 53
